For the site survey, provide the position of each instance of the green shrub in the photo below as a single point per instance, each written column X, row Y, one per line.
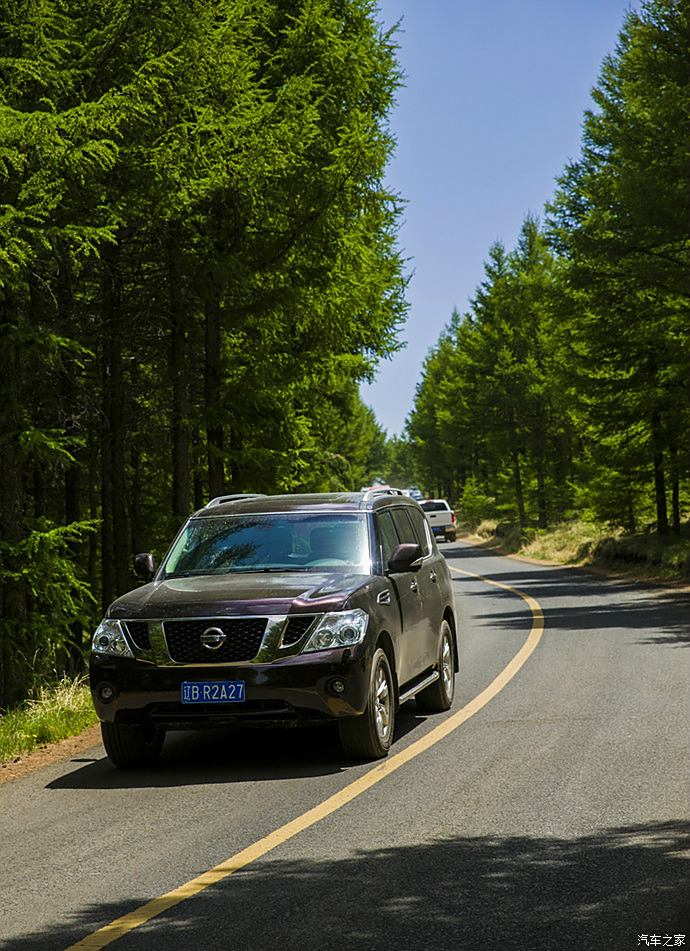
column 475, row 506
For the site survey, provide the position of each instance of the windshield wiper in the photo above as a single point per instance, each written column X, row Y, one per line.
column 258, row 569
column 192, row 572
column 288, row 568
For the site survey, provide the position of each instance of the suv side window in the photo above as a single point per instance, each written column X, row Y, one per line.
column 421, row 528
column 406, row 532
column 387, row 537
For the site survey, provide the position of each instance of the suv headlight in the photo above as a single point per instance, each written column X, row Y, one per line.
column 110, row 639
column 340, row 629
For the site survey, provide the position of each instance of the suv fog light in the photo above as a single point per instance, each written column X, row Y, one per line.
column 106, row 692
column 337, row 687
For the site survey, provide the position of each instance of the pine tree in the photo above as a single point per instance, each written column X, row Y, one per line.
column 621, row 219
column 197, row 266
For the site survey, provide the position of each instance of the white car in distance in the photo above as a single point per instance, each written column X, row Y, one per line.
column 440, row 517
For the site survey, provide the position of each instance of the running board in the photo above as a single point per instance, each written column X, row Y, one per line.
column 415, row 689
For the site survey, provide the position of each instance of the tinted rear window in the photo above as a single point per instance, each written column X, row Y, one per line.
column 387, row 536
column 435, row 506
column 421, row 527
column 406, row 532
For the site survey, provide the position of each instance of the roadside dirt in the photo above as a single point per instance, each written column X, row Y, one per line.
column 50, row 753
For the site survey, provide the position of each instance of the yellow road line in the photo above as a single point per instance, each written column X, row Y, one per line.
column 157, row 906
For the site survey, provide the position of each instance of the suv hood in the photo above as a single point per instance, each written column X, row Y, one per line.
column 251, row 593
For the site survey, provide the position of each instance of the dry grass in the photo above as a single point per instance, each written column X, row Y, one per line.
column 486, row 528
column 645, row 554
column 568, row 543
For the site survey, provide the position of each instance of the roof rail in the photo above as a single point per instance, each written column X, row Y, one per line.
column 220, row 499
column 371, row 493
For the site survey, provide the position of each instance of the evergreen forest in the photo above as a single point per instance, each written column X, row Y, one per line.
column 197, row 266
column 564, row 390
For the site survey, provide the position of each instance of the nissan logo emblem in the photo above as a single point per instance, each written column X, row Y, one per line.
column 213, row 638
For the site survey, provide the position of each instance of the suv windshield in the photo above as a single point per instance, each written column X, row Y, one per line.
column 273, row 542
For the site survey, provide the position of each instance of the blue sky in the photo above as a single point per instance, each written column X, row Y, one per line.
column 490, row 113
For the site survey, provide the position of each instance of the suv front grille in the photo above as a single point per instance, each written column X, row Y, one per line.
column 139, row 632
column 243, row 640
column 296, row 628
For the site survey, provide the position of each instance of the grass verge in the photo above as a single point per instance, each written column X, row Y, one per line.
column 57, row 712
column 663, row 558
column 569, row 542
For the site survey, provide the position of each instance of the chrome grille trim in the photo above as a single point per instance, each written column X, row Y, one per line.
column 271, row 645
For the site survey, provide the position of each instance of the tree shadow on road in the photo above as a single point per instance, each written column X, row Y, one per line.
column 522, row 893
column 664, row 616
column 661, row 625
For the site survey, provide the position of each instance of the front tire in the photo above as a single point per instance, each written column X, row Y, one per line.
column 131, row 746
column 370, row 735
column 439, row 696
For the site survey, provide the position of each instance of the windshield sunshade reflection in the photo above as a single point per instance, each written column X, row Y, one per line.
column 270, row 543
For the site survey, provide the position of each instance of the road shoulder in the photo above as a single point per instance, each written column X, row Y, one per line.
column 50, row 753
column 599, row 571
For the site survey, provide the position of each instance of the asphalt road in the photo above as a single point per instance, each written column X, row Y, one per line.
column 556, row 817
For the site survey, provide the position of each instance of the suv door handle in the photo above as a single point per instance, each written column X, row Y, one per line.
column 413, row 586
column 432, row 575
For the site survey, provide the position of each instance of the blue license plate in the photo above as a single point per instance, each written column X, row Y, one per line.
column 213, row 691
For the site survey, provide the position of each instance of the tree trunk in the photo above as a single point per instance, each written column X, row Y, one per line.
column 92, row 572
column 630, row 508
column 659, row 478
column 139, row 540
column 198, row 473
column 69, row 392
column 12, row 591
column 114, row 533
column 517, row 475
column 39, row 489
column 213, row 393
column 179, row 375
column 108, row 578
column 519, row 495
column 541, row 495
column 675, row 488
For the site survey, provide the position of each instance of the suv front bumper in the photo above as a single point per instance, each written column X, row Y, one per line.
column 290, row 690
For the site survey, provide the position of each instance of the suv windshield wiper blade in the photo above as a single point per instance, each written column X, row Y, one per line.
column 258, row 569
column 189, row 573
column 288, row 568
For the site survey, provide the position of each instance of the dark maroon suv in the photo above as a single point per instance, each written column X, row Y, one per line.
column 276, row 609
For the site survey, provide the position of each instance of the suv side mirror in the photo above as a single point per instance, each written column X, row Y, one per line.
column 144, row 566
column 406, row 557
